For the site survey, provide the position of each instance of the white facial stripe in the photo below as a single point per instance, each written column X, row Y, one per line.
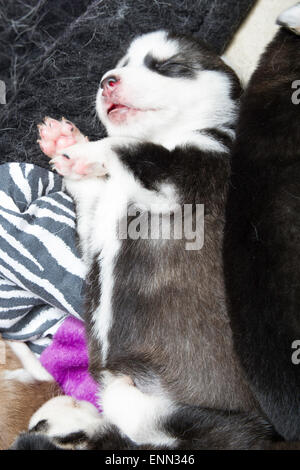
column 155, row 43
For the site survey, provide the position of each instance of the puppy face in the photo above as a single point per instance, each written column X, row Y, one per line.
column 162, row 81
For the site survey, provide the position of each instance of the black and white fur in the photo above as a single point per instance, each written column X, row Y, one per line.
column 160, row 342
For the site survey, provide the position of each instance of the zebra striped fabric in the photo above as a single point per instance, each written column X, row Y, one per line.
column 41, row 273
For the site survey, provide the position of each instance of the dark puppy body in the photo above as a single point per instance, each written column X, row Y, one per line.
column 262, row 239
column 170, row 326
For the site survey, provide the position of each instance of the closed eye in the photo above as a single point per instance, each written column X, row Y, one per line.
column 174, row 68
column 169, row 67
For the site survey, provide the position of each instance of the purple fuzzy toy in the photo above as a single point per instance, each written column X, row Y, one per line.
column 66, row 359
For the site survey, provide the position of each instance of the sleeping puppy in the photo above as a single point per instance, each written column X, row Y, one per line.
column 20, row 395
column 262, row 242
column 160, row 342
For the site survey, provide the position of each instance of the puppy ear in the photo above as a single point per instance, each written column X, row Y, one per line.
column 32, row 441
column 290, row 19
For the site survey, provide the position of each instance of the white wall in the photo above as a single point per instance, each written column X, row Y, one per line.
column 254, row 34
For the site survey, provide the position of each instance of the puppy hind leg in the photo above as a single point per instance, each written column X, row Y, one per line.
column 148, row 421
column 138, row 416
column 201, row 428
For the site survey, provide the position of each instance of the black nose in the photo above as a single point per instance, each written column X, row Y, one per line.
column 109, row 81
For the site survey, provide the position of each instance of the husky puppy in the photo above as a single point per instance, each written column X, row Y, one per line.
column 262, row 242
column 160, row 342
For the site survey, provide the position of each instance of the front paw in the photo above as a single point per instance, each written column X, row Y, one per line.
column 57, row 135
column 80, row 161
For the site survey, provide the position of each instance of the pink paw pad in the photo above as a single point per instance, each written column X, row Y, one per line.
column 57, row 135
column 82, row 168
column 77, row 167
column 62, row 164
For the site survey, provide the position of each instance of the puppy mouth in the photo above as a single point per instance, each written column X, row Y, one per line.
column 119, row 113
column 118, row 107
